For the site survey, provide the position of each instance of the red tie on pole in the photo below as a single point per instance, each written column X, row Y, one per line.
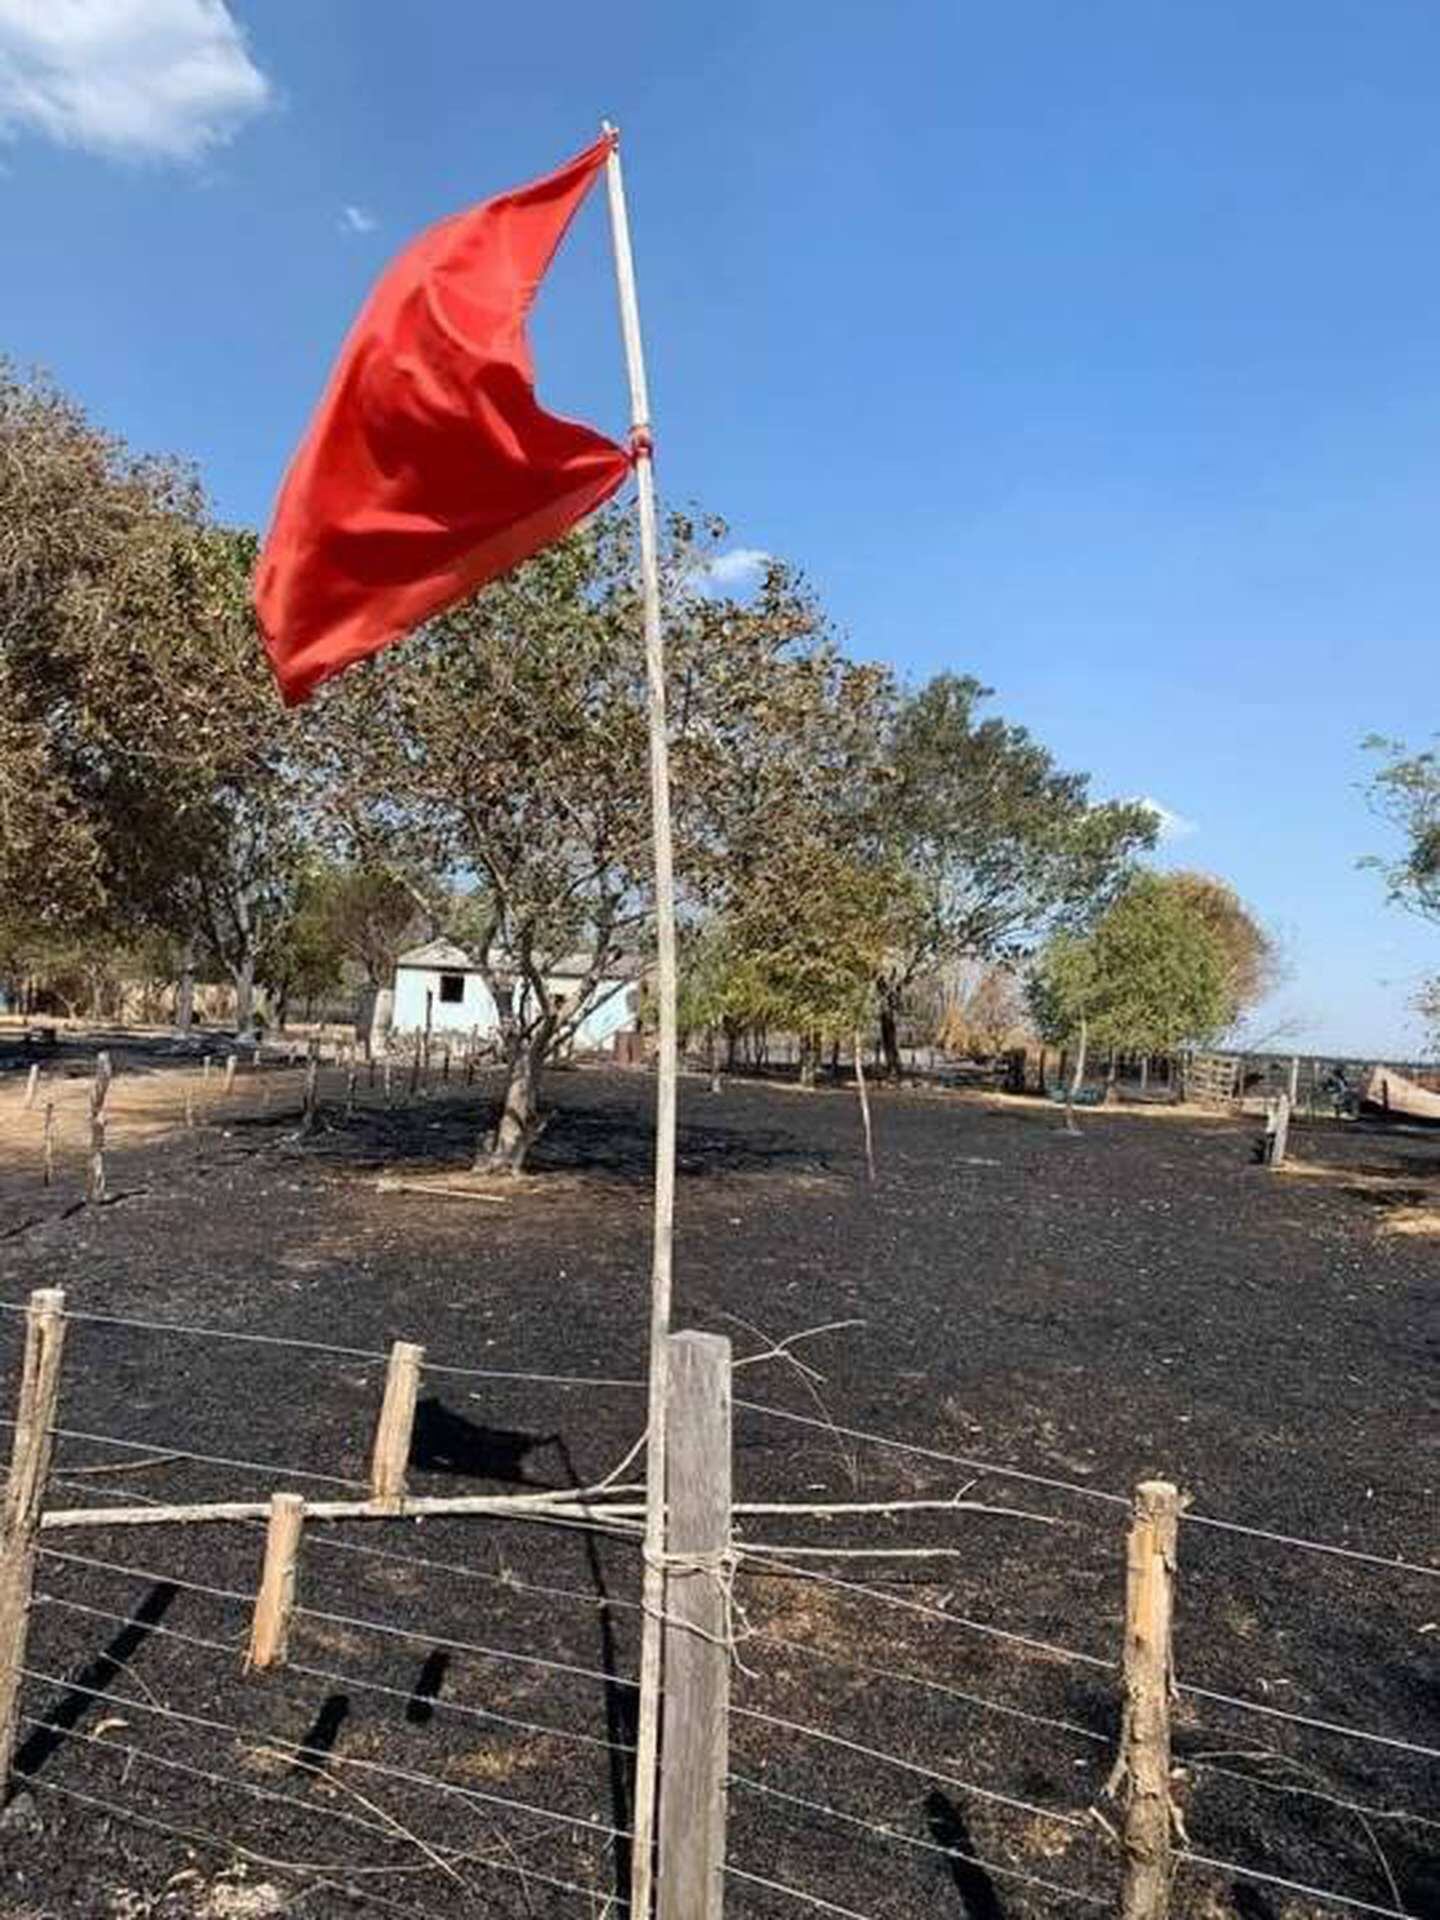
column 430, row 467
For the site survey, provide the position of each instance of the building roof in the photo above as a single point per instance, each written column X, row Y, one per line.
column 438, row 953
column 451, row 958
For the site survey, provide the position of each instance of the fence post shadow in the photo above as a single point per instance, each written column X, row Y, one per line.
column 318, row 1742
column 622, row 1702
column 94, row 1680
column 976, row 1889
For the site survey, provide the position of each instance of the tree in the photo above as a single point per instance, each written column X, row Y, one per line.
column 150, row 780
column 1406, row 793
column 507, row 739
column 85, row 531
column 1151, row 976
column 1005, row 847
column 802, row 949
column 1250, row 955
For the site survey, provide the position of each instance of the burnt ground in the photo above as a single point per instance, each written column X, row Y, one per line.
column 1140, row 1300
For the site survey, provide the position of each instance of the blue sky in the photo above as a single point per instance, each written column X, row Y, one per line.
column 1091, row 349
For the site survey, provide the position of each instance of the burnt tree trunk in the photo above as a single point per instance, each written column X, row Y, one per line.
column 185, row 989
column 890, row 1038
column 505, row 1148
column 244, row 978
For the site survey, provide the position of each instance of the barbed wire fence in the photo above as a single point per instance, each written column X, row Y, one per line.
column 776, row 1762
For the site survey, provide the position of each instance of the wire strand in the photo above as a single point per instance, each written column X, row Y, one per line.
column 342, row 1870
column 1185, row 1857
column 1307, row 1720
column 273, row 1468
column 1359, row 1807
column 448, row 1788
column 361, row 1625
column 767, row 1638
column 911, row 1840
column 329, row 1674
column 511, row 1582
column 326, row 1347
column 907, row 1766
column 1051, row 1647
column 934, row 1453
column 1393, row 1563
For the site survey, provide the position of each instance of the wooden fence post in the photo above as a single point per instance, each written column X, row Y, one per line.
column 389, row 1094
column 697, row 1630
column 350, row 1089
column 95, row 1172
column 30, row 1453
column 312, row 1079
column 397, row 1418
column 32, row 1084
column 1142, row 1766
column 275, row 1602
column 229, row 1073
column 1277, row 1130
column 48, row 1144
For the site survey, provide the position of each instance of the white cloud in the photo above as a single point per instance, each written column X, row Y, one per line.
column 160, row 79
column 357, row 220
column 736, row 570
column 1173, row 826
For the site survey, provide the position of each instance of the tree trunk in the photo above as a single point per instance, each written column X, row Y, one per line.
column 732, row 1047
column 807, row 1060
column 1077, row 1077
column 244, row 977
column 504, row 1149
column 185, row 989
column 714, row 1060
column 890, row 1039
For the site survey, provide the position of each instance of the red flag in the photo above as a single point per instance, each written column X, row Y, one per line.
column 430, row 467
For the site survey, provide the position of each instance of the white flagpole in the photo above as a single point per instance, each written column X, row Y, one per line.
column 648, row 1737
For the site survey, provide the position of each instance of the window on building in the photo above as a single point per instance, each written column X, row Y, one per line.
column 452, row 989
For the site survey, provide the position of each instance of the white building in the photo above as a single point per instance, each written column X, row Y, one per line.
column 439, row 989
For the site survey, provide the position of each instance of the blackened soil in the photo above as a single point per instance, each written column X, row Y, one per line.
column 1139, row 1300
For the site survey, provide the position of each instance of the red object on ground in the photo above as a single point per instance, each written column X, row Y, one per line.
column 430, row 467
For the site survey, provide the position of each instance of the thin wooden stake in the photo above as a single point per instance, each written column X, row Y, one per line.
column 1142, row 1767
column 667, row 1056
column 312, row 1083
column 350, row 1090
column 698, row 1574
column 95, row 1171
column 275, row 1602
column 30, row 1453
column 229, row 1073
column 397, row 1419
column 864, row 1106
column 389, row 1091
column 32, row 1084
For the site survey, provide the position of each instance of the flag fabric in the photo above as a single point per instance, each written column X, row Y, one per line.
column 430, row 467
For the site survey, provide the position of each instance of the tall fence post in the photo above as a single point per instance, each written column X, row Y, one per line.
column 275, row 1602
column 95, row 1170
column 698, row 1572
column 1142, row 1766
column 1277, row 1130
column 30, row 1453
column 397, row 1420
column 32, row 1083
column 47, row 1143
